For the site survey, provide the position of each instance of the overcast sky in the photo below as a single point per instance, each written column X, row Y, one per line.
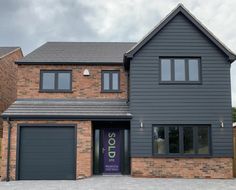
column 30, row 23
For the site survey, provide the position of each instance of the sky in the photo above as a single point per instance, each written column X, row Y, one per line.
column 30, row 23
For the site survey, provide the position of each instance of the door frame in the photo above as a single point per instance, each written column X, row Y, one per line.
column 124, row 166
column 17, row 173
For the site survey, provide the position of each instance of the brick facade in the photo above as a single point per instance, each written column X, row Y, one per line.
column 8, row 73
column 84, row 147
column 83, row 87
column 182, row 167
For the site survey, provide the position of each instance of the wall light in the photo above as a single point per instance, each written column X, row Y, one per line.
column 141, row 124
column 221, row 124
column 86, row 72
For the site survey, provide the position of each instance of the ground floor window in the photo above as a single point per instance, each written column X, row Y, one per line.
column 181, row 139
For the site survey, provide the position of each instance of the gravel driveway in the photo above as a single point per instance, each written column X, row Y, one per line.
column 122, row 183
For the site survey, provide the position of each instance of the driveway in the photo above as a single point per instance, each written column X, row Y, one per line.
column 122, row 183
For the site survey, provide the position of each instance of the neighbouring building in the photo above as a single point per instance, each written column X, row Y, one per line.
column 8, row 75
column 157, row 108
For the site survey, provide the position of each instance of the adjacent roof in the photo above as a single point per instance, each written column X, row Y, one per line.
column 71, row 109
column 6, row 50
column 181, row 9
column 78, row 52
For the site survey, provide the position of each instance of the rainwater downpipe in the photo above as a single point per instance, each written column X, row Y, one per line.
column 8, row 148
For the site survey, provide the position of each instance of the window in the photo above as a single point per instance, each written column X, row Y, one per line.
column 55, row 81
column 180, row 70
column 165, row 70
column 174, row 139
column 110, row 81
column 203, row 146
column 159, row 140
column 181, row 140
column 188, row 140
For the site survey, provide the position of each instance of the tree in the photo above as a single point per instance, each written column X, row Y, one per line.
column 234, row 114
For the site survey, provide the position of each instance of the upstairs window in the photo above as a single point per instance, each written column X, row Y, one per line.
column 110, row 81
column 180, row 70
column 55, row 81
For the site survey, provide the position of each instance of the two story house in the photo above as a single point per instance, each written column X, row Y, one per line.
column 157, row 108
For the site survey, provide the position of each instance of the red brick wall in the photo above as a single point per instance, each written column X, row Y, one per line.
column 83, row 86
column 182, row 167
column 8, row 74
column 84, row 147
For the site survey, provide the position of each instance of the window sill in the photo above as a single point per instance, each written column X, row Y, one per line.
column 111, row 91
column 180, row 83
column 53, row 91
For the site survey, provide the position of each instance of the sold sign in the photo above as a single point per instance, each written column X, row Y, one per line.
column 111, row 144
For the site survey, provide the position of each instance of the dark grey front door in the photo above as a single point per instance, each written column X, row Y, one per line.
column 47, row 152
column 111, row 151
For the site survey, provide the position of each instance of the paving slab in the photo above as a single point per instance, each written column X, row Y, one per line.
column 122, row 183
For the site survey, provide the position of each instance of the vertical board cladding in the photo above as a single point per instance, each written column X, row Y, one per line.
column 84, row 147
column 154, row 103
column 83, row 87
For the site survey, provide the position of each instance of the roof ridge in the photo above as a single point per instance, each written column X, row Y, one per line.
column 85, row 42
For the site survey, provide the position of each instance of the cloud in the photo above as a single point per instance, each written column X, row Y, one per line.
column 30, row 23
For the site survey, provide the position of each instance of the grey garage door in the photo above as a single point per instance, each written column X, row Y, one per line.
column 47, row 152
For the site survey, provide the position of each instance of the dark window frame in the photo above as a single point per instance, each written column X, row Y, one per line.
column 55, row 90
column 181, row 145
column 110, row 72
column 172, row 74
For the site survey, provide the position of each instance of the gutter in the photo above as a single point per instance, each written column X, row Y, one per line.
column 8, row 149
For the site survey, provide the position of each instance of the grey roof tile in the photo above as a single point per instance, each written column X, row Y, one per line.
column 78, row 52
column 6, row 50
column 65, row 108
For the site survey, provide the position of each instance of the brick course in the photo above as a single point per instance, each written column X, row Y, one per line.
column 84, row 147
column 182, row 167
column 83, row 87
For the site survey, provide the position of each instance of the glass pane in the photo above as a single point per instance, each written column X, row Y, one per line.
column 165, row 70
column 115, row 81
column 174, row 139
column 203, row 136
column 188, row 140
column 179, row 69
column 48, row 82
column 64, row 81
column 159, row 140
column 193, row 70
column 106, row 81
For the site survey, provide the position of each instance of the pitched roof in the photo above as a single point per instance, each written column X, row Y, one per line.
column 181, row 9
column 6, row 50
column 78, row 52
column 73, row 109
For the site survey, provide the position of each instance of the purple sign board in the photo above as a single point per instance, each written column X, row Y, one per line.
column 111, row 145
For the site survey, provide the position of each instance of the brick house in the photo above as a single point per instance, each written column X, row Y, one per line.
column 157, row 108
column 8, row 73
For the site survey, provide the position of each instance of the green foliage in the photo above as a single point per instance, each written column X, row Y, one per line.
column 234, row 114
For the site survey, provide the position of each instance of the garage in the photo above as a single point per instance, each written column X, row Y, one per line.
column 46, row 152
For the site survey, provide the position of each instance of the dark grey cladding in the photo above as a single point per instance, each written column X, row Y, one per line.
column 71, row 109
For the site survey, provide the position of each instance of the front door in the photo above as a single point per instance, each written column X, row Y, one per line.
column 111, row 151
column 111, row 147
